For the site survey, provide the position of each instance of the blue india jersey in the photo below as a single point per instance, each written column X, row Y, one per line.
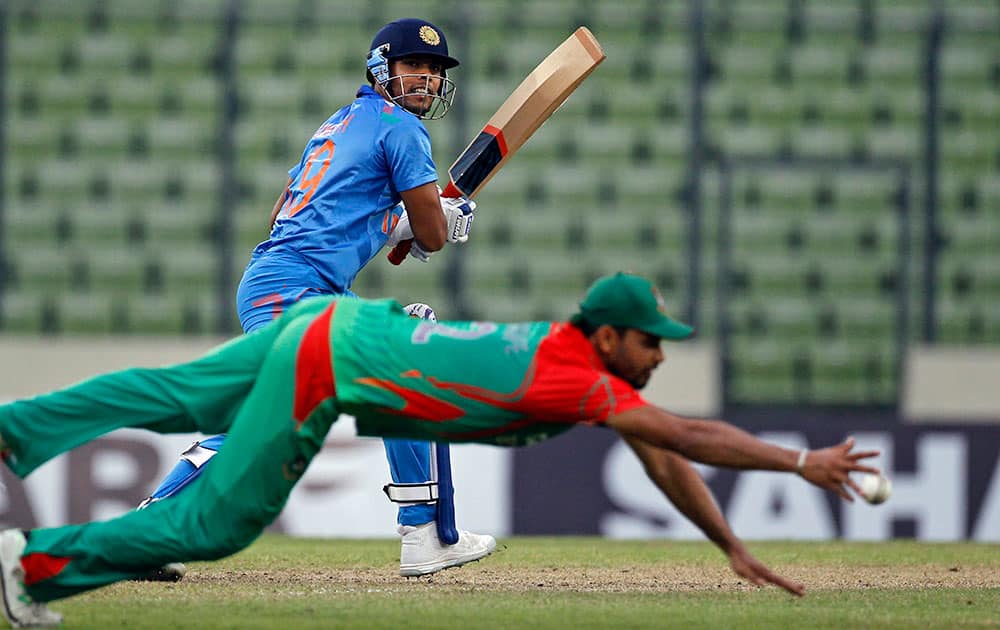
column 344, row 191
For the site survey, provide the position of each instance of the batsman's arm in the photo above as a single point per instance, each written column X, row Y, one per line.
column 427, row 220
column 277, row 206
column 719, row 443
column 685, row 488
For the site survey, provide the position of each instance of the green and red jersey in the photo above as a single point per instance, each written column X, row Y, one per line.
column 507, row 384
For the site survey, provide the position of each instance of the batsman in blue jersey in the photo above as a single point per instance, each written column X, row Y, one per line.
column 366, row 179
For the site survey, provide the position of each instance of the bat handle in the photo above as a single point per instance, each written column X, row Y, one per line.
column 451, row 190
column 399, row 252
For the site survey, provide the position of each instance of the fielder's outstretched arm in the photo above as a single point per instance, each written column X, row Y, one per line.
column 685, row 488
column 719, row 443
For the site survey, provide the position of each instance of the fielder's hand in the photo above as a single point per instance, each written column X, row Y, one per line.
column 829, row 468
column 459, row 212
column 746, row 566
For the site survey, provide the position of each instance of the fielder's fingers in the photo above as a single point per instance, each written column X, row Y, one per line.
column 842, row 491
column 854, row 486
column 864, row 454
column 867, row 469
column 792, row 587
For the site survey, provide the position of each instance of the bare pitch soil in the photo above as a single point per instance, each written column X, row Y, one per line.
column 673, row 578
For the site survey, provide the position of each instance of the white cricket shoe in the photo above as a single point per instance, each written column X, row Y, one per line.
column 18, row 607
column 422, row 553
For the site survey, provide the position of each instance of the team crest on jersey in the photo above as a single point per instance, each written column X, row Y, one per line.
column 516, row 336
column 429, row 35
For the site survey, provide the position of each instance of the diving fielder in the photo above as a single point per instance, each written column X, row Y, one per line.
column 277, row 392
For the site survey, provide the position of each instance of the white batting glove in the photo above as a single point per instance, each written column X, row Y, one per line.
column 402, row 231
column 420, row 310
column 459, row 212
column 418, row 252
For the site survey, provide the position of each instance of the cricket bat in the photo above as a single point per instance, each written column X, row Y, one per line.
column 541, row 93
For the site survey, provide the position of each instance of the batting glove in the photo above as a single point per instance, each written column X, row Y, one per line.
column 418, row 252
column 402, row 231
column 420, row 310
column 459, row 212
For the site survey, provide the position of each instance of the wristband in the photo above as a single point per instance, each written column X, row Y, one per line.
column 801, row 463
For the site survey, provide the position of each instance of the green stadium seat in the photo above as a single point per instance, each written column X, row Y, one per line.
column 45, row 269
column 157, row 315
column 21, row 311
column 85, row 313
column 821, row 143
column 100, row 226
column 894, row 64
column 187, row 271
column 116, row 271
column 27, row 226
column 31, row 137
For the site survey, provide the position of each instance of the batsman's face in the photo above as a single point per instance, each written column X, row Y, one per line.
column 417, row 80
column 632, row 356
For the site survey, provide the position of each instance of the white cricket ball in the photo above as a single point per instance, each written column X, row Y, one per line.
column 875, row 488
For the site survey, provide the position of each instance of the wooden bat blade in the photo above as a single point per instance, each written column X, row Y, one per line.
column 542, row 92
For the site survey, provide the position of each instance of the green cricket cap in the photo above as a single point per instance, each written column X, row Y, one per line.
column 629, row 301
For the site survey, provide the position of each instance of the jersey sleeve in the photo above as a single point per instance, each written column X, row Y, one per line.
column 579, row 395
column 605, row 395
column 407, row 148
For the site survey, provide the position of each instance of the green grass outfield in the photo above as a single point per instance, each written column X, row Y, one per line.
column 283, row 582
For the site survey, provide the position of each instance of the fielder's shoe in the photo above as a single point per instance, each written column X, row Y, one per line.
column 170, row 572
column 422, row 552
column 18, row 607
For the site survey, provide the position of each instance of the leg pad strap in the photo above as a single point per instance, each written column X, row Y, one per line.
column 412, row 493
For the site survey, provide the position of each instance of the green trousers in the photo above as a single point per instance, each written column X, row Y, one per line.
column 244, row 388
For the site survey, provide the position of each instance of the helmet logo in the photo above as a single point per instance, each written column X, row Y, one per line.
column 378, row 65
column 429, row 35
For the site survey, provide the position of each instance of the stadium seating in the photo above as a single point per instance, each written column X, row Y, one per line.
column 111, row 211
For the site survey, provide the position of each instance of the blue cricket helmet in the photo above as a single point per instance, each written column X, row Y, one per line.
column 412, row 36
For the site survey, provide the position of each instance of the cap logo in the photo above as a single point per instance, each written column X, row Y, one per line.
column 661, row 305
column 429, row 35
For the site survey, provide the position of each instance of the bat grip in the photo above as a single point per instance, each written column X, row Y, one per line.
column 399, row 252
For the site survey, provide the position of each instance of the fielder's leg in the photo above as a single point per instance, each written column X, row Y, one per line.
column 192, row 463
column 186, row 398
column 269, row 445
